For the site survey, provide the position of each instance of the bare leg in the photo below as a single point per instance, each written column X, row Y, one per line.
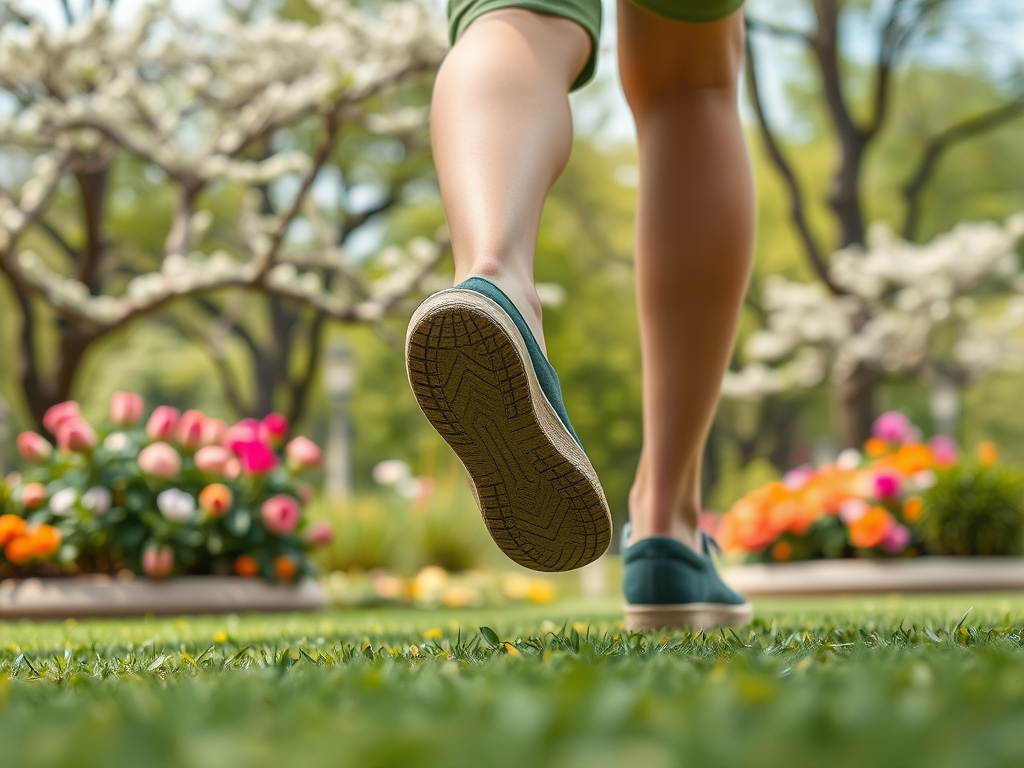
column 502, row 132
column 694, row 235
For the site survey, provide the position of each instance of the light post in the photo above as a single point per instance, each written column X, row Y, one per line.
column 944, row 403
column 339, row 381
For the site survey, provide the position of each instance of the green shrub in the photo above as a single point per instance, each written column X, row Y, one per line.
column 975, row 510
column 367, row 534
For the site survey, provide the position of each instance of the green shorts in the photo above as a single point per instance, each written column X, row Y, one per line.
column 587, row 13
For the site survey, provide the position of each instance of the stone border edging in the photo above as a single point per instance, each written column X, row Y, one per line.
column 104, row 596
column 836, row 577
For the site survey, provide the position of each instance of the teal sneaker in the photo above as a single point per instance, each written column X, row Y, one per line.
column 481, row 380
column 667, row 584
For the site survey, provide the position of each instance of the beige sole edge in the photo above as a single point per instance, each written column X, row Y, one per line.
column 524, row 540
column 692, row 616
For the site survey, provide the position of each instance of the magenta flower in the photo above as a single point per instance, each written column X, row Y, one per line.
column 76, row 435
column 896, row 540
column 280, row 514
column 273, row 429
column 893, row 427
column 245, row 431
column 162, row 423
column 57, row 414
column 943, row 449
column 888, row 484
column 160, row 460
column 189, row 432
column 34, row 447
column 256, row 457
column 157, row 561
column 125, row 408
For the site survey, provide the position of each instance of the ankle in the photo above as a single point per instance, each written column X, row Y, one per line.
column 677, row 519
column 517, row 284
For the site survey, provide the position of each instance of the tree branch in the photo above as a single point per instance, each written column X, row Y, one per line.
column 775, row 30
column 938, row 145
column 796, row 202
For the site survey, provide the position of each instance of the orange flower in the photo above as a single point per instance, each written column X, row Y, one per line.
column 913, row 458
column 988, row 453
column 791, row 516
column 285, row 568
column 869, row 530
column 45, row 540
column 216, row 498
column 246, row 565
column 912, row 509
column 782, row 551
column 11, row 527
column 19, row 551
column 875, row 447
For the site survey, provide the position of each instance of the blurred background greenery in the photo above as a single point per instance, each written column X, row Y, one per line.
column 236, row 354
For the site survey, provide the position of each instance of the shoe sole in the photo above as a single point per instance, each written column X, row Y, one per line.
column 472, row 376
column 687, row 616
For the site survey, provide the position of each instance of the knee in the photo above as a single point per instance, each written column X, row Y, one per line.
column 703, row 66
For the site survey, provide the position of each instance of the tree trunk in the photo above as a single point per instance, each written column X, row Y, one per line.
column 855, row 407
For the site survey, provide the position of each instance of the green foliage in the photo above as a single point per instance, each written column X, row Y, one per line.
column 845, row 683
column 366, row 534
column 975, row 510
column 7, row 506
column 380, row 529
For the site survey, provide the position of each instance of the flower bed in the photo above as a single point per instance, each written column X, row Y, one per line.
column 901, row 498
column 183, row 494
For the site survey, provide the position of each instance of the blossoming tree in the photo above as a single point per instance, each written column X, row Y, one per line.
column 245, row 116
column 945, row 312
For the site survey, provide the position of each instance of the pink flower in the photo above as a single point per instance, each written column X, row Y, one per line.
column 233, row 468
column 213, row 431
column 74, row 434
column 162, row 422
column 256, row 457
column 302, row 453
column 59, row 413
column 319, row 534
column 892, row 426
column 125, row 408
column 34, row 447
column 160, row 460
column 157, row 560
column 795, row 479
column 245, row 431
column 33, row 495
column 943, row 449
column 189, row 432
column 887, row 484
column 273, row 429
column 896, row 540
column 212, row 459
column 280, row 514
column 852, row 510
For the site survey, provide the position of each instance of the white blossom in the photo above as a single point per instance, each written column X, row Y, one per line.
column 949, row 307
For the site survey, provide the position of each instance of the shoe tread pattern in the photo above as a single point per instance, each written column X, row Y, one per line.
column 469, row 379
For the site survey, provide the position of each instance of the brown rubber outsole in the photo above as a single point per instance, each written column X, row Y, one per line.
column 687, row 616
column 471, row 373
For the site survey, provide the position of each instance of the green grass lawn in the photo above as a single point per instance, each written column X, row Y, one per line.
column 844, row 682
